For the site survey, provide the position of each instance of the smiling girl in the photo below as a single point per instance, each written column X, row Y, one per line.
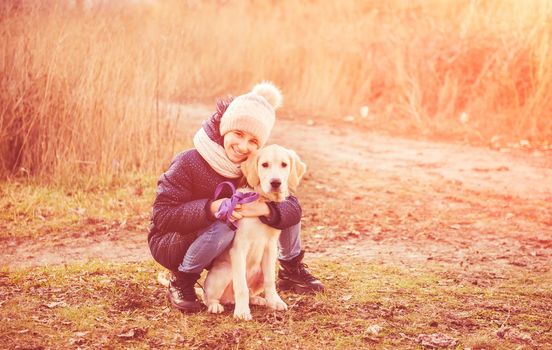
column 185, row 236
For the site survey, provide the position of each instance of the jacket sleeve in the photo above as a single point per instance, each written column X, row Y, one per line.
column 283, row 214
column 174, row 209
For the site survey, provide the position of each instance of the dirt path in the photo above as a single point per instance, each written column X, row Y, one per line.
column 385, row 199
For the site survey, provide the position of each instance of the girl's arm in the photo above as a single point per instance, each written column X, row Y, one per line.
column 283, row 214
column 174, row 209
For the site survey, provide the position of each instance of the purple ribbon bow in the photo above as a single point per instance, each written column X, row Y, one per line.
column 228, row 205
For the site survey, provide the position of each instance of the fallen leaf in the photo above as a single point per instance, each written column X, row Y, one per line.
column 519, row 336
column 80, row 211
column 406, row 336
column 436, row 340
column 179, row 338
column 518, row 262
column 514, row 335
column 55, row 304
column 373, row 329
column 77, row 341
column 133, row 333
column 502, row 331
column 346, row 297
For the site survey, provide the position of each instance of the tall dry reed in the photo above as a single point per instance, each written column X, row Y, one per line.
column 82, row 89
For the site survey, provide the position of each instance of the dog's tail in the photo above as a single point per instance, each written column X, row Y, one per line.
column 164, row 278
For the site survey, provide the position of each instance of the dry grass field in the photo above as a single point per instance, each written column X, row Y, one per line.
column 82, row 88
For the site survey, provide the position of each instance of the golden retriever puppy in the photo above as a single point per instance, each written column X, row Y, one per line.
column 248, row 267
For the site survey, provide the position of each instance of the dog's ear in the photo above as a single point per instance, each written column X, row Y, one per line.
column 296, row 171
column 249, row 169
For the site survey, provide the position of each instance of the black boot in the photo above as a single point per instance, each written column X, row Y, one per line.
column 293, row 275
column 182, row 293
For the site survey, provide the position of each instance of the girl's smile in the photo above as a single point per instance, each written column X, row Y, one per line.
column 239, row 145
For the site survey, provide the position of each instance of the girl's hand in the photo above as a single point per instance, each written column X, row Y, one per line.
column 215, row 206
column 253, row 209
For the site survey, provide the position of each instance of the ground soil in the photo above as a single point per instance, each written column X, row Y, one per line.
column 382, row 199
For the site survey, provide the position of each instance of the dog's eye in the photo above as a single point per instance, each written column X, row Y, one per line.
column 264, row 165
column 284, row 164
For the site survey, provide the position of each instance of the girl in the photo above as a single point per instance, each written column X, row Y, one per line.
column 185, row 237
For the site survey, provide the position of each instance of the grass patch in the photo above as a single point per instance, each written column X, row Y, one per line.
column 32, row 210
column 101, row 305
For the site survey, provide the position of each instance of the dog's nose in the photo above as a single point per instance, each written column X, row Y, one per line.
column 275, row 183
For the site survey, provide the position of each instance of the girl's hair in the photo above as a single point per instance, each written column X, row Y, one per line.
column 222, row 105
column 212, row 125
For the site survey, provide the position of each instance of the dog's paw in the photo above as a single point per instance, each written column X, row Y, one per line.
column 257, row 300
column 244, row 315
column 277, row 304
column 215, row 308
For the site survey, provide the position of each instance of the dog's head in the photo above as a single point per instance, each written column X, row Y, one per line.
column 274, row 172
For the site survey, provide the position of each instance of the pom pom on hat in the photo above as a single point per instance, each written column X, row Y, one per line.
column 270, row 92
column 254, row 112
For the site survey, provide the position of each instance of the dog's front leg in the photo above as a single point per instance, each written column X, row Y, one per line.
column 269, row 266
column 216, row 282
column 238, row 256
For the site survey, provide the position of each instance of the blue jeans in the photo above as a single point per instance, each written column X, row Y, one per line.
column 212, row 241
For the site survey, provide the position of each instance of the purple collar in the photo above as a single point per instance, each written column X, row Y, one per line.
column 228, row 205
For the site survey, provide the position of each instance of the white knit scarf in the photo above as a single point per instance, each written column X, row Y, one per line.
column 215, row 155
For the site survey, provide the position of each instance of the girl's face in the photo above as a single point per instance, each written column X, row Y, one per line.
column 239, row 145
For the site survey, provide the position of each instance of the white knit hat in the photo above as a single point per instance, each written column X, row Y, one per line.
column 253, row 112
